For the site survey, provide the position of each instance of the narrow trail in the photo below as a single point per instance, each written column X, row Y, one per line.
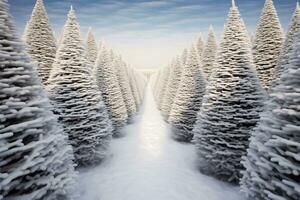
column 147, row 164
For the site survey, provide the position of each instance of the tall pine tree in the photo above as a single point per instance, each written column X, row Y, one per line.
column 163, row 86
column 273, row 162
column 41, row 43
column 172, row 86
column 134, row 88
column 268, row 43
column 91, row 47
column 124, row 84
column 283, row 59
column 231, row 105
column 77, row 99
column 108, row 84
column 35, row 159
column 188, row 99
column 200, row 47
column 184, row 56
column 209, row 53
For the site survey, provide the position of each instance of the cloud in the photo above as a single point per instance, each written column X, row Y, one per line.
column 149, row 32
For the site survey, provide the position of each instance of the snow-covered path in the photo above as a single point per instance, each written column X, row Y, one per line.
column 147, row 164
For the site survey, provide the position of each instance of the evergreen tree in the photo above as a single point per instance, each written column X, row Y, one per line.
column 133, row 88
column 272, row 163
column 209, row 53
column 138, row 90
column 35, row 159
column 108, row 84
column 188, row 99
column 138, row 80
column 283, row 59
column 125, row 86
column 163, row 87
column 77, row 98
column 268, row 43
column 200, row 47
column 231, row 105
column 184, row 56
column 171, row 90
column 41, row 41
column 91, row 47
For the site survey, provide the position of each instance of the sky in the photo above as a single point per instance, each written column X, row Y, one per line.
column 149, row 33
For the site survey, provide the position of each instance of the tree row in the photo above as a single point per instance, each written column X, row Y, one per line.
column 60, row 104
column 238, row 103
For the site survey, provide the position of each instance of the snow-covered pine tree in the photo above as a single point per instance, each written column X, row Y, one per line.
column 108, row 84
column 209, row 53
column 138, row 84
column 231, row 105
column 77, row 99
column 184, row 56
column 172, row 86
column 272, row 163
column 164, row 106
column 163, row 86
column 200, row 46
column 133, row 87
column 188, row 99
column 141, row 81
column 283, row 59
column 268, row 43
column 35, row 159
column 124, row 84
column 41, row 43
column 91, row 47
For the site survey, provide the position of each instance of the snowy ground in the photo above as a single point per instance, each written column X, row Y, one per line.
column 147, row 164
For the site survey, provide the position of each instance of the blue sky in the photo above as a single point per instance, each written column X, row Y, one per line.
column 149, row 33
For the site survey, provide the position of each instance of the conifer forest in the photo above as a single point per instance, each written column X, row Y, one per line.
column 219, row 120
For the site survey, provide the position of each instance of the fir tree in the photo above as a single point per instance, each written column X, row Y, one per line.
column 268, row 43
column 35, row 159
column 163, row 86
column 107, row 82
column 140, row 81
column 209, row 53
column 188, row 99
column 231, row 105
column 184, row 56
column 272, row 163
column 41, row 41
column 91, row 47
column 200, row 47
column 137, row 87
column 283, row 59
column 133, row 87
column 171, row 90
column 124, row 84
column 77, row 98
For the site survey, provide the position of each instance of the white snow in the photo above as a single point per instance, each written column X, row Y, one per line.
column 148, row 164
